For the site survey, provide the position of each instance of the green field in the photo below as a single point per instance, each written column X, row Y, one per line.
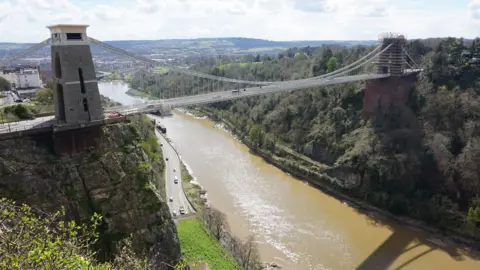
column 265, row 49
column 198, row 244
column 242, row 64
column 160, row 70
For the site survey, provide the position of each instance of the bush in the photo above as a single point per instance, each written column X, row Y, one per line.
column 20, row 111
column 44, row 96
column 40, row 241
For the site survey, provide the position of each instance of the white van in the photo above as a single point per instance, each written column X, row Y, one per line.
column 175, row 180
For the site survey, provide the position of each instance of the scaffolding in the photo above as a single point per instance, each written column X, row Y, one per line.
column 392, row 61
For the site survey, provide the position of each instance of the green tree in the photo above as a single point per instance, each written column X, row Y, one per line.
column 51, row 83
column 33, row 241
column 44, row 95
column 332, row 64
column 20, row 111
column 256, row 135
column 4, row 84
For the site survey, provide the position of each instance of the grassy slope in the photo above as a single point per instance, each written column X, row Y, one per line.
column 198, row 244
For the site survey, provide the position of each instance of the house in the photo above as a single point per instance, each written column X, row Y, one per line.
column 22, row 77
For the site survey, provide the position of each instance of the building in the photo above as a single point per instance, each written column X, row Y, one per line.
column 22, row 77
column 9, row 75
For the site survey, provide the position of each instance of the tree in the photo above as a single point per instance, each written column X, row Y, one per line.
column 44, row 95
column 219, row 221
column 256, row 135
column 332, row 64
column 51, row 83
column 216, row 221
column 4, row 84
column 32, row 241
column 249, row 254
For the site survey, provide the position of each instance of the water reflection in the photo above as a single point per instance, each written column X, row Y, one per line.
column 116, row 90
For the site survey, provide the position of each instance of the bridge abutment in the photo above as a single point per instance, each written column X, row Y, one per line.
column 75, row 141
column 383, row 94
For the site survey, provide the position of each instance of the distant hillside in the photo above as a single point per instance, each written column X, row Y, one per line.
column 240, row 43
column 203, row 43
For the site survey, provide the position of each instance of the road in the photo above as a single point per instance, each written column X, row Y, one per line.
column 9, row 98
column 256, row 91
column 172, row 168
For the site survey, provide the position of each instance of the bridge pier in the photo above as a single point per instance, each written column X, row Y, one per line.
column 74, row 141
column 382, row 94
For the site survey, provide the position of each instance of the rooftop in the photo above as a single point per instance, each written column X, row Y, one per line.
column 68, row 27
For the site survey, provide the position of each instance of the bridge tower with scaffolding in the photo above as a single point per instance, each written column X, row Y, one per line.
column 76, row 97
column 381, row 95
column 393, row 59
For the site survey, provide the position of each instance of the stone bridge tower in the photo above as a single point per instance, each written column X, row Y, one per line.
column 393, row 59
column 381, row 95
column 76, row 97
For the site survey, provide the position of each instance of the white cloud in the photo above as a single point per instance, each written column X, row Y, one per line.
column 25, row 20
column 474, row 9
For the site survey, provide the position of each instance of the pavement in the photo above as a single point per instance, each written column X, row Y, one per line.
column 27, row 124
column 172, row 169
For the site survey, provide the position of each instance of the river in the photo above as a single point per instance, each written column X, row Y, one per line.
column 297, row 226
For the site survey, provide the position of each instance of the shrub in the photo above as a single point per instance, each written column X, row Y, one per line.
column 29, row 240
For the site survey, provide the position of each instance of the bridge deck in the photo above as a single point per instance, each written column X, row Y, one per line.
column 44, row 124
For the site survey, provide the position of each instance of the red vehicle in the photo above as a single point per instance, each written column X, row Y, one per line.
column 114, row 115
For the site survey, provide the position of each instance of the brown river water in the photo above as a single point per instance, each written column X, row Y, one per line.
column 296, row 225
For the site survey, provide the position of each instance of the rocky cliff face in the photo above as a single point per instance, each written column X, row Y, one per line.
column 117, row 180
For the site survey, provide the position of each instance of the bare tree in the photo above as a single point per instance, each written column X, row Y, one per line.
column 219, row 223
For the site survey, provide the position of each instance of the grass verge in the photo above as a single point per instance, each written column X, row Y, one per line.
column 198, row 244
column 192, row 191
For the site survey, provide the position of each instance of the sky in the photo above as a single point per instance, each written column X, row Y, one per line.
column 25, row 20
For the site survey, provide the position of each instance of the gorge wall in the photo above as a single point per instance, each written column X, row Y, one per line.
column 122, row 180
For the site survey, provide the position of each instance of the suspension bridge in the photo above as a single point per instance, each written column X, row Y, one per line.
column 77, row 101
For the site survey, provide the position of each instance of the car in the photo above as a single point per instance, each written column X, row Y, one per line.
column 174, row 170
column 166, row 159
column 161, row 144
column 182, row 210
column 171, row 199
column 114, row 115
column 174, row 213
column 175, row 181
column 150, row 106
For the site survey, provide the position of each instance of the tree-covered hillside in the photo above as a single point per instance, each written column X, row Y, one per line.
column 418, row 160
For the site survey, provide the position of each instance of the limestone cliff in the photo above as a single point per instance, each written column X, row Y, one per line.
column 117, row 180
